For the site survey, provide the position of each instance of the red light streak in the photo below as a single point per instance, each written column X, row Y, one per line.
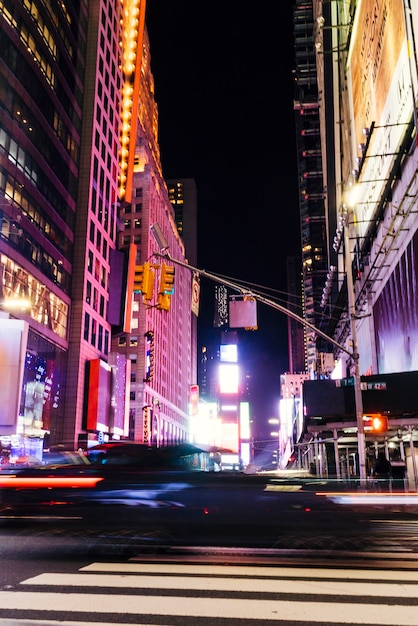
column 50, row 482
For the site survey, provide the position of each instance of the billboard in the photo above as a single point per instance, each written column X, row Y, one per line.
column 381, row 95
column 228, row 353
column 228, row 378
column 99, row 395
column 396, row 327
column 13, row 342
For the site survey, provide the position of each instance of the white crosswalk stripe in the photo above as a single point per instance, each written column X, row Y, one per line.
column 222, row 592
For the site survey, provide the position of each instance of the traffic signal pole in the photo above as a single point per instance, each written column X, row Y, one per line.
column 278, row 307
column 358, row 399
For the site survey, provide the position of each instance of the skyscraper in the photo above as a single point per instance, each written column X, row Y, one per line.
column 77, row 110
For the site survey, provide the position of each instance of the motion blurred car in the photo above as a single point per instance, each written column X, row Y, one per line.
column 162, row 495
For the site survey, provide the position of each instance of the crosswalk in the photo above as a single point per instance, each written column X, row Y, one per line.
column 135, row 592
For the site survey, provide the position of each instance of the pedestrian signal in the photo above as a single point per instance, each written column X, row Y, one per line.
column 375, row 423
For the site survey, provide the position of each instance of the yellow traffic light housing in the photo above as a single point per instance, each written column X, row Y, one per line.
column 375, row 423
column 165, row 287
column 167, row 279
column 144, row 281
column 164, row 301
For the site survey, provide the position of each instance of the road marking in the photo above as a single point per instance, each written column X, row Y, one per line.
column 312, row 612
column 245, row 585
column 250, row 570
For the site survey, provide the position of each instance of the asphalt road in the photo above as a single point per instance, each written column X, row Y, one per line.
column 76, row 581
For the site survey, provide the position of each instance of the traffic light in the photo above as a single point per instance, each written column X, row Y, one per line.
column 166, row 287
column 375, row 423
column 144, row 281
column 166, row 279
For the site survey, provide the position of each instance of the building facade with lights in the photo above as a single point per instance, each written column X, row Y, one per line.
column 77, row 111
column 42, row 76
column 366, row 67
column 159, row 344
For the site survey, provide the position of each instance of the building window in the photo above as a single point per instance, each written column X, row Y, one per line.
column 86, row 326
column 93, row 332
column 88, row 292
column 100, row 341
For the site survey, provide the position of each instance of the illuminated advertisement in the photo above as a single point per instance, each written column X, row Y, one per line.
column 146, row 424
column 230, row 436
column 228, row 353
column 381, row 93
column 194, row 400
column 396, row 328
column 228, row 378
column 121, row 374
column 244, row 420
column 43, row 387
column 99, row 394
column 149, row 356
column 13, row 339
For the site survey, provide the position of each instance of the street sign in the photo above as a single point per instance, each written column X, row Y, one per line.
column 349, row 382
column 345, row 382
column 377, row 386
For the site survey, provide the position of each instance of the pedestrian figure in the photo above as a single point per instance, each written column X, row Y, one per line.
column 398, row 472
column 382, row 471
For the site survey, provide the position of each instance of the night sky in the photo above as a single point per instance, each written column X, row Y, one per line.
column 224, row 89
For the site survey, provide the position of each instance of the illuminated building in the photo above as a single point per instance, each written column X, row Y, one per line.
column 43, row 70
column 159, row 399
column 73, row 123
column 366, row 76
column 313, row 219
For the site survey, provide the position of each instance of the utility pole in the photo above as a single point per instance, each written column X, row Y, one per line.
column 358, row 400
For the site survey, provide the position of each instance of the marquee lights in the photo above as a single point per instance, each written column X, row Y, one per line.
column 131, row 45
